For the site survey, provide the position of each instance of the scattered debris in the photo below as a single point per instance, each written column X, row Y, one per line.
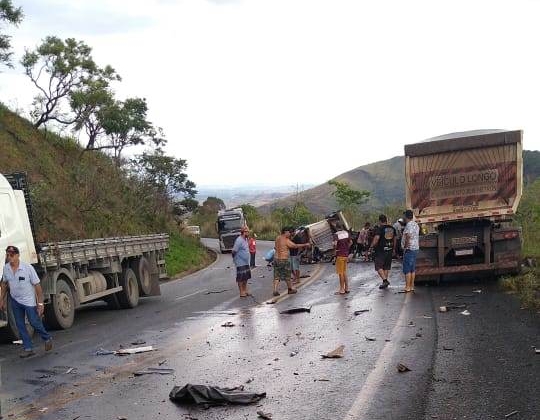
column 477, row 291
column 370, row 338
column 134, row 350
column 213, row 395
column 271, row 302
column 448, row 348
column 103, row 352
column 296, row 310
column 250, row 380
column 286, row 341
column 152, row 370
column 322, row 380
column 42, row 410
column 17, row 342
column 464, row 296
column 427, row 317
column 294, row 353
column 305, row 276
column 537, row 351
column 262, row 415
column 138, row 342
column 402, row 368
column 456, row 306
column 162, row 362
column 261, row 276
column 216, row 291
column 228, row 324
column 70, row 370
column 410, row 324
column 335, row 354
column 418, row 335
column 443, row 309
column 361, row 311
column 513, row 413
column 465, row 312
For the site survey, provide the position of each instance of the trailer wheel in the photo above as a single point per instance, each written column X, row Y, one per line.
column 128, row 297
column 10, row 332
column 60, row 313
column 141, row 267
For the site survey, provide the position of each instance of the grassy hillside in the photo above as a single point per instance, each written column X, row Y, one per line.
column 385, row 180
column 79, row 195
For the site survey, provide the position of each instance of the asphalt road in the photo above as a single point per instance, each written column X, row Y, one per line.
column 477, row 366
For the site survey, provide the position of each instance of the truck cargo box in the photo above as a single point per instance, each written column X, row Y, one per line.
column 460, row 176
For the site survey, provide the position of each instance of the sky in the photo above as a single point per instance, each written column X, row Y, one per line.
column 292, row 92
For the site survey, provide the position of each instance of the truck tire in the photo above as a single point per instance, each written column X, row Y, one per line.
column 141, row 267
column 10, row 333
column 128, row 297
column 60, row 313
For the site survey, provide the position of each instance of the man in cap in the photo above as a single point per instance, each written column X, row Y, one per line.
column 410, row 243
column 25, row 298
column 241, row 257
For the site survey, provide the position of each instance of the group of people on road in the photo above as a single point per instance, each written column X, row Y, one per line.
column 383, row 242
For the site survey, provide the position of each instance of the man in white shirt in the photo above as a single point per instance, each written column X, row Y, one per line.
column 410, row 244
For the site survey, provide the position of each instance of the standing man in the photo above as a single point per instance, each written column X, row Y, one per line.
column 398, row 226
column 240, row 253
column 342, row 244
column 282, row 264
column 410, row 243
column 362, row 241
column 294, row 255
column 22, row 281
column 384, row 244
column 252, row 242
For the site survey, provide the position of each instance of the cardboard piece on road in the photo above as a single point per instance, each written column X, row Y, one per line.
column 335, row 354
column 212, row 395
column 296, row 310
column 402, row 368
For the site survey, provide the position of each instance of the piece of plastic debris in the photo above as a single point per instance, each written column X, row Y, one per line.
column 266, row 416
column 17, row 342
column 250, row 380
column 42, row 410
column 162, row 362
column 323, row 380
column 513, row 413
column 465, row 312
column 70, row 370
column 361, row 311
column 228, row 324
column 157, row 371
column 334, row 354
column 477, row 291
column 370, row 338
column 135, row 350
column 537, row 351
column 443, row 309
column 296, row 310
column 138, row 342
column 212, row 395
column 294, row 353
column 418, row 335
column 448, row 348
column 402, row 368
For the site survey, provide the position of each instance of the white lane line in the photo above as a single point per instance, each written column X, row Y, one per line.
column 191, row 294
column 376, row 376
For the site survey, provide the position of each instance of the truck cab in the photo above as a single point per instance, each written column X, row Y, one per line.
column 228, row 225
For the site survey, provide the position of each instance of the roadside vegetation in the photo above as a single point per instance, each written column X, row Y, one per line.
column 73, row 144
column 527, row 284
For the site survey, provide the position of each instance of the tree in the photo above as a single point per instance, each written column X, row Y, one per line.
column 185, row 206
column 11, row 15
column 125, row 124
column 165, row 174
column 211, row 206
column 58, row 69
column 347, row 197
column 296, row 215
column 250, row 213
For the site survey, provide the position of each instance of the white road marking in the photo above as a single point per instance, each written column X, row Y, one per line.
column 191, row 294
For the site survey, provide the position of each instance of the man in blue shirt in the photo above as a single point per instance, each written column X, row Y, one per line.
column 241, row 258
column 22, row 281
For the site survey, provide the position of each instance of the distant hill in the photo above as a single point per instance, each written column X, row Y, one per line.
column 385, row 180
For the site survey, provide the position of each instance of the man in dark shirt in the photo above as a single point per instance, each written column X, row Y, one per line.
column 384, row 244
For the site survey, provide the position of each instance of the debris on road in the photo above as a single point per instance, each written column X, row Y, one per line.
column 465, row 312
column 536, row 350
column 216, row 291
column 322, row 380
column 296, row 310
column 213, row 395
column 513, row 413
column 448, row 348
column 443, row 309
column 477, row 291
column 138, row 342
column 134, row 350
column 427, row 317
column 294, row 353
column 103, row 352
column 464, row 296
column 370, row 338
column 402, row 368
column 266, row 416
column 162, row 362
column 228, row 324
column 250, row 380
column 70, row 370
column 157, row 371
column 361, row 311
column 335, row 354
column 17, row 342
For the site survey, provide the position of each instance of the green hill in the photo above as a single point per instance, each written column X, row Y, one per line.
column 385, row 180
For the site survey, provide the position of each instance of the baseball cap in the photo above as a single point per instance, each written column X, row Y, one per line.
column 13, row 249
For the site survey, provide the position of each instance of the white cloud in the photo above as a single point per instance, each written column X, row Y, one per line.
column 300, row 91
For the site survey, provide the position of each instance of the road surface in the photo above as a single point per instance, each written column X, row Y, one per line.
column 477, row 366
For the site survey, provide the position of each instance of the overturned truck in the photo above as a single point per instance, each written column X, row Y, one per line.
column 464, row 188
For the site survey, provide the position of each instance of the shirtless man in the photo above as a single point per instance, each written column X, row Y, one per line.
column 282, row 265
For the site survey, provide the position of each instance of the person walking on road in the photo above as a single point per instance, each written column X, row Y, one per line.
column 362, row 241
column 342, row 245
column 294, row 256
column 20, row 284
column 384, row 244
column 398, row 226
column 252, row 242
column 282, row 264
column 410, row 244
column 241, row 256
